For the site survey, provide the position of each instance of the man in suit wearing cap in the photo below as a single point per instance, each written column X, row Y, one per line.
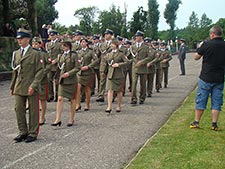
column 54, row 49
column 104, row 49
column 26, row 79
column 141, row 57
column 182, row 56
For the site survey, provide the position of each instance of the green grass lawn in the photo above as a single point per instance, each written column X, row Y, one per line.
column 176, row 146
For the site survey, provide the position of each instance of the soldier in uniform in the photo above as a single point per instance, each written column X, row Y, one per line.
column 128, row 71
column 104, row 49
column 27, row 76
column 166, row 57
column 68, row 66
column 115, row 62
column 97, row 53
column 140, row 53
column 36, row 44
column 54, row 49
column 155, row 46
column 88, row 61
column 76, row 44
column 151, row 67
column 182, row 56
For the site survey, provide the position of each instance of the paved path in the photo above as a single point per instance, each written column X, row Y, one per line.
column 97, row 141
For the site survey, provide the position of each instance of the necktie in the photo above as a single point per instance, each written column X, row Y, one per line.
column 22, row 52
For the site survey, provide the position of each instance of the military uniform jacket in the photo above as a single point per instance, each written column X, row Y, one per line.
column 54, row 50
column 97, row 53
column 140, row 54
column 104, row 49
column 155, row 56
column 46, row 65
column 28, row 71
column 76, row 47
column 165, row 55
column 87, row 58
column 116, row 57
column 68, row 63
column 158, row 62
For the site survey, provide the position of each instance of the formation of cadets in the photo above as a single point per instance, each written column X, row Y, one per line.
column 75, row 67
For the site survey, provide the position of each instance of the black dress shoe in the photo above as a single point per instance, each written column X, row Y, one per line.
column 42, row 122
column 108, row 111
column 79, row 108
column 133, row 102
column 141, row 102
column 149, row 95
column 118, row 110
column 100, row 99
column 86, row 109
column 70, row 124
column 57, row 124
column 50, row 99
column 30, row 139
column 20, row 138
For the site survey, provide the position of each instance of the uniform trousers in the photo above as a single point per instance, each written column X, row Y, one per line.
column 164, row 75
column 157, row 79
column 142, row 87
column 150, row 82
column 20, row 109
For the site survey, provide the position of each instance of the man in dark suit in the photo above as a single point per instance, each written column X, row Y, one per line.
column 182, row 56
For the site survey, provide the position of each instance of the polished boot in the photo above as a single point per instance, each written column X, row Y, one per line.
column 20, row 138
column 30, row 139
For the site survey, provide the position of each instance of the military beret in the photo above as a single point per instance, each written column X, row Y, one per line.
column 94, row 37
column 163, row 44
column 108, row 31
column 119, row 38
column 53, row 32
column 23, row 33
column 139, row 33
column 147, row 40
column 37, row 39
column 155, row 43
column 78, row 32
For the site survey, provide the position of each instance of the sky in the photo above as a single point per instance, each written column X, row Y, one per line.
column 212, row 8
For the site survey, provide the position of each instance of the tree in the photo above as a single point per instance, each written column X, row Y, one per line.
column 205, row 21
column 193, row 20
column 153, row 18
column 111, row 19
column 170, row 14
column 86, row 16
column 139, row 21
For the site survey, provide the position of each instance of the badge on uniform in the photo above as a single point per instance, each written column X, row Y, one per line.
column 41, row 61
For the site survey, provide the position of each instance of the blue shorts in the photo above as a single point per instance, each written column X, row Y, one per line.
column 214, row 90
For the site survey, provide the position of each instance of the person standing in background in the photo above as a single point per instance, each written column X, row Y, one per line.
column 182, row 56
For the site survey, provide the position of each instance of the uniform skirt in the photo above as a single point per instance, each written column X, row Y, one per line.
column 44, row 92
column 67, row 90
column 86, row 80
column 115, row 84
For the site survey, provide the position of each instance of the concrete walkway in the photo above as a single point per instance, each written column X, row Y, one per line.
column 97, row 141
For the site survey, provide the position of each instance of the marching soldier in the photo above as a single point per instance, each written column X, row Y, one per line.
column 36, row 44
column 151, row 67
column 68, row 66
column 140, row 53
column 128, row 72
column 54, row 49
column 97, row 53
column 115, row 62
column 88, row 61
column 166, row 57
column 155, row 46
column 104, row 49
column 182, row 56
column 76, row 44
column 27, row 76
